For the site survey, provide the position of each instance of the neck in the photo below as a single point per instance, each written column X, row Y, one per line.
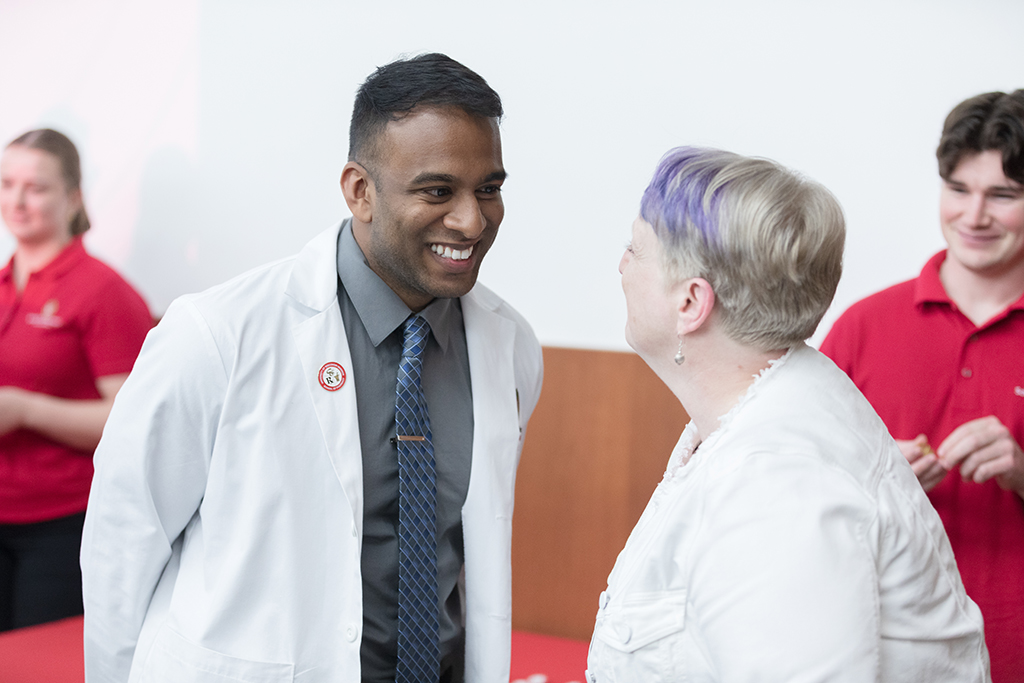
column 714, row 377
column 32, row 257
column 981, row 296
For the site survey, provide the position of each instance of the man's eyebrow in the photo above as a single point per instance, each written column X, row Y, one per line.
column 448, row 179
column 427, row 178
column 1011, row 187
column 497, row 175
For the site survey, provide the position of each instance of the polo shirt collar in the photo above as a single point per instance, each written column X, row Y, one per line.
column 928, row 289
column 67, row 259
column 380, row 309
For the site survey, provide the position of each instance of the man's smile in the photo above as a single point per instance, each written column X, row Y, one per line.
column 453, row 254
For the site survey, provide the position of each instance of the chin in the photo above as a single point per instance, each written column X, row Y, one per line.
column 453, row 290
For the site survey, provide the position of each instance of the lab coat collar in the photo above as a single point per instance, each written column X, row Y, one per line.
column 314, row 278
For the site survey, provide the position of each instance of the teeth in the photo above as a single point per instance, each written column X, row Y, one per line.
column 453, row 254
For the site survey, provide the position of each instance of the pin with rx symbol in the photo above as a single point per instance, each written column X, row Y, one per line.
column 332, row 376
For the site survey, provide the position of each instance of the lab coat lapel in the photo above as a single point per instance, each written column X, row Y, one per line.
column 487, row 513
column 490, row 341
column 320, row 339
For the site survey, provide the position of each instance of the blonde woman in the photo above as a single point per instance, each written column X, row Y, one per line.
column 70, row 329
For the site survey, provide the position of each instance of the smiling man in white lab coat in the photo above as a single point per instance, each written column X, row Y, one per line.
column 244, row 518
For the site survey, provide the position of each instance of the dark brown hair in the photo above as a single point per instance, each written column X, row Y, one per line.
column 58, row 144
column 992, row 121
column 428, row 80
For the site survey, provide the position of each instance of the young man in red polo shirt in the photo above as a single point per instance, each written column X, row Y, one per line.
column 941, row 358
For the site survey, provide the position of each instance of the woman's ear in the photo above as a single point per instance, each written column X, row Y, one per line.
column 696, row 301
column 359, row 191
column 75, row 197
column 75, row 204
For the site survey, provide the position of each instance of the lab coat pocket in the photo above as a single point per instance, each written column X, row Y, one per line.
column 174, row 659
column 641, row 637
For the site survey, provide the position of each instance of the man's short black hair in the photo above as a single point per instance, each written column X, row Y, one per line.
column 429, row 80
column 994, row 120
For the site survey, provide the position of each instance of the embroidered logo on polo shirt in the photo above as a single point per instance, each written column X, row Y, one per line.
column 46, row 318
column 1019, row 391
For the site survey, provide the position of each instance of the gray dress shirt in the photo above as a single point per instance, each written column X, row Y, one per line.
column 373, row 316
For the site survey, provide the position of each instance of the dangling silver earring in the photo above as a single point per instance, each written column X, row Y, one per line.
column 679, row 354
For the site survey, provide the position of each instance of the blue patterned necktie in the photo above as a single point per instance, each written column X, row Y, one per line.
column 418, row 650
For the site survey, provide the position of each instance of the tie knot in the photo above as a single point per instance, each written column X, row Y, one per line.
column 415, row 331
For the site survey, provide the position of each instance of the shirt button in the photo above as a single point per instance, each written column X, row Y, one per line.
column 966, row 372
column 602, row 602
column 350, row 633
column 355, row 532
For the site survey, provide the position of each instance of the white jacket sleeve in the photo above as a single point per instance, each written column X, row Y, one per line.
column 151, row 471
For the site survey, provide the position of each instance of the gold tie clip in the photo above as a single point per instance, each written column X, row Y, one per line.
column 401, row 437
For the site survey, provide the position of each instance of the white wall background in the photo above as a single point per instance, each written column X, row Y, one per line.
column 213, row 132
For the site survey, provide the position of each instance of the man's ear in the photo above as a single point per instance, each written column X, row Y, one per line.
column 359, row 191
column 696, row 300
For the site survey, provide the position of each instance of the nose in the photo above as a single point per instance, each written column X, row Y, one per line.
column 622, row 261
column 976, row 213
column 466, row 217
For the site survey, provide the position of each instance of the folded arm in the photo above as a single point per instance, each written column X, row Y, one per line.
column 77, row 423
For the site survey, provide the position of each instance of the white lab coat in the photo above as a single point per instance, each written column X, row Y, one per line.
column 222, row 540
column 795, row 545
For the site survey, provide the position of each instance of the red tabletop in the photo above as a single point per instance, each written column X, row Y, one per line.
column 52, row 653
column 48, row 653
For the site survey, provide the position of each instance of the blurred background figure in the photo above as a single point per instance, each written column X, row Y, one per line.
column 788, row 539
column 70, row 329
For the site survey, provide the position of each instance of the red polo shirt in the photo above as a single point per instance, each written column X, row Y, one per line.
column 926, row 368
column 76, row 320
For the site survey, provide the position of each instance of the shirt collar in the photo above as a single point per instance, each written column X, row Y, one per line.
column 929, row 289
column 7, row 272
column 380, row 309
column 68, row 257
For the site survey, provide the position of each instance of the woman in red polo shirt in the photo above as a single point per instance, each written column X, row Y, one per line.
column 70, row 329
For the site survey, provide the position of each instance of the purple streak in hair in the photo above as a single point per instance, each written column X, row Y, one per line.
column 675, row 196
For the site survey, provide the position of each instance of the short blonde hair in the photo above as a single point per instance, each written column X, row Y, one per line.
column 769, row 241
